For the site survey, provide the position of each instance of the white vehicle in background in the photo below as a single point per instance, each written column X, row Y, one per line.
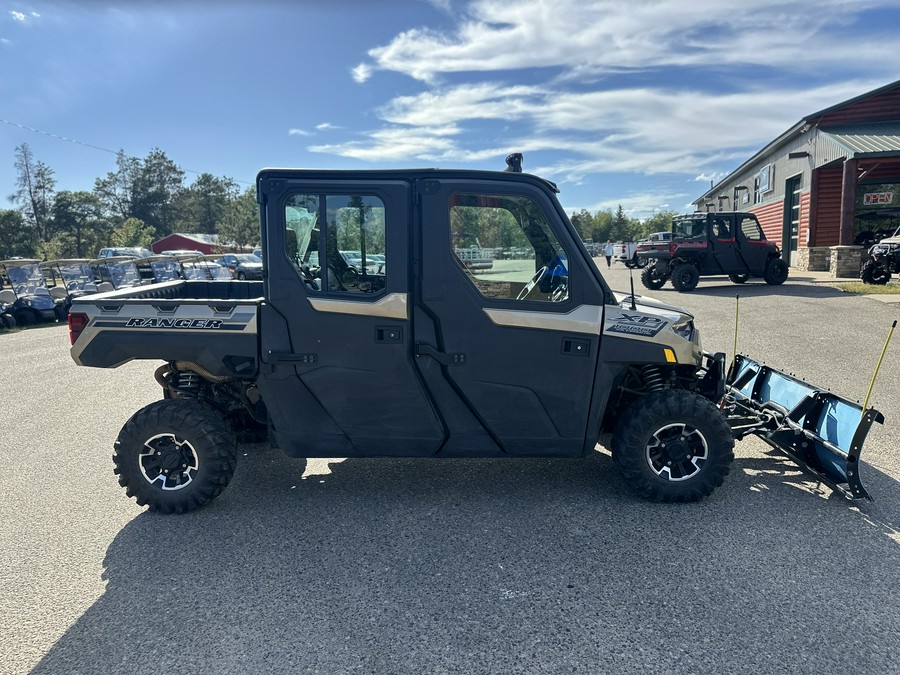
column 626, row 252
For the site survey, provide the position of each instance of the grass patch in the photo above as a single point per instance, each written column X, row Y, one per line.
column 859, row 288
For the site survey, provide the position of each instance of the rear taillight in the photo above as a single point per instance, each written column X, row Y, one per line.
column 77, row 323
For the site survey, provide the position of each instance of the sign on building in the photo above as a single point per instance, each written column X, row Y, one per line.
column 876, row 198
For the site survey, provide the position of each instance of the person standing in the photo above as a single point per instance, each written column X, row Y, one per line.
column 608, row 252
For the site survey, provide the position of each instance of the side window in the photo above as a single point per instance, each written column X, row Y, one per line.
column 507, row 248
column 722, row 228
column 751, row 229
column 336, row 243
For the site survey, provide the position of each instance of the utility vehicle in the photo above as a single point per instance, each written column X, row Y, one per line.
column 702, row 244
column 884, row 260
column 429, row 356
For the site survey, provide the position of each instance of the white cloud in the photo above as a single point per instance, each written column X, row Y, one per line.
column 18, row 16
column 299, row 132
column 606, row 36
column 325, row 126
column 362, row 72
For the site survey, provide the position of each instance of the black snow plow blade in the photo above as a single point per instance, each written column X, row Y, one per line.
column 819, row 430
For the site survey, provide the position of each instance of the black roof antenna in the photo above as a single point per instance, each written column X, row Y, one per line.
column 631, row 275
column 514, row 162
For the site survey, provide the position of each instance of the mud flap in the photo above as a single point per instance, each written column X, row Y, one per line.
column 819, row 430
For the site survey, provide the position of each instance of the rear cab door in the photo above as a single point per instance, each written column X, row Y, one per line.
column 337, row 373
column 726, row 257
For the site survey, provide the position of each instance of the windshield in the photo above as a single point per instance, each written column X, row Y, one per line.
column 248, row 257
column 164, row 270
column 689, row 228
column 25, row 278
column 76, row 275
column 124, row 274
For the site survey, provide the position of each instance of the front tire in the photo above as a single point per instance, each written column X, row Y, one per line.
column 175, row 455
column 685, row 277
column 653, row 279
column 776, row 272
column 873, row 273
column 673, row 446
column 640, row 263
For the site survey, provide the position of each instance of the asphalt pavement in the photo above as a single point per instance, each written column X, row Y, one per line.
column 454, row 566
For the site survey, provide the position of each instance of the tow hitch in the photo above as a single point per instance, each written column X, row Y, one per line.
column 819, row 430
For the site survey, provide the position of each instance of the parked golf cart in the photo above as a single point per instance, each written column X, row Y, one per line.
column 164, row 268
column 28, row 293
column 115, row 272
column 7, row 320
column 204, row 267
column 70, row 278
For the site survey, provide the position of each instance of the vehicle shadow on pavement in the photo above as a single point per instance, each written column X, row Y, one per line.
column 725, row 288
column 493, row 566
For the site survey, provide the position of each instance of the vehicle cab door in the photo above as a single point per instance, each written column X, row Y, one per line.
column 337, row 375
column 725, row 258
column 508, row 317
column 754, row 248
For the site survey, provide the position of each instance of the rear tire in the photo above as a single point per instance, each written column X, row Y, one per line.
column 175, row 455
column 873, row 273
column 9, row 321
column 685, row 277
column 673, row 446
column 776, row 272
column 27, row 317
column 653, row 279
column 739, row 278
column 640, row 262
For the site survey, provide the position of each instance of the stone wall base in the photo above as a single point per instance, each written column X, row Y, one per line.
column 814, row 259
column 846, row 261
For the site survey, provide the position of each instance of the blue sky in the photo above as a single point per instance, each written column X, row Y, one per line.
column 640, row 103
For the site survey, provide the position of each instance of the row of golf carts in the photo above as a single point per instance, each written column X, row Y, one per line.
column 35, row 291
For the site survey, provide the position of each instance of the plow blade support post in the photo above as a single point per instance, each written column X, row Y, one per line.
column 819, row 430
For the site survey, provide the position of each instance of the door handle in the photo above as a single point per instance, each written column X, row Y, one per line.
column 445, row 359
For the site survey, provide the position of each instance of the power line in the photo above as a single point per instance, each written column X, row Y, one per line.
column 94, row 147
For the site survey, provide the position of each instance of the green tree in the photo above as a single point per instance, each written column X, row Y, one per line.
column 16, row 238
column 239, row 224
column 35, row 186
column 584, row 223
column 658, row 222
column 200, row 207
column 79, row 223
column 133, row 232
column 141, row 188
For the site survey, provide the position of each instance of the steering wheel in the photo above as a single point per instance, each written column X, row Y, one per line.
column 532, row 283
column 309, row 277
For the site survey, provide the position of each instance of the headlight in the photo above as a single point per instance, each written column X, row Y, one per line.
column 684, row 330
column 26, row 302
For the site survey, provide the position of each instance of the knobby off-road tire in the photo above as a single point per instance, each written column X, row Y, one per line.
column 673, row 446
column 653, row 279
column 175, row 455
column 685, row 277
column 776, row 272
column 873, row 273
column 738, row 278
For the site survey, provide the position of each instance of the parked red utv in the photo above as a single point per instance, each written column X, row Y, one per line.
column 708, row 244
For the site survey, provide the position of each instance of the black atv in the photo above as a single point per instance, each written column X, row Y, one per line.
column 884, row 259
column 706, row 244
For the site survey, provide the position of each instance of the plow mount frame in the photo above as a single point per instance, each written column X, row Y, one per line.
column 813, row 427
